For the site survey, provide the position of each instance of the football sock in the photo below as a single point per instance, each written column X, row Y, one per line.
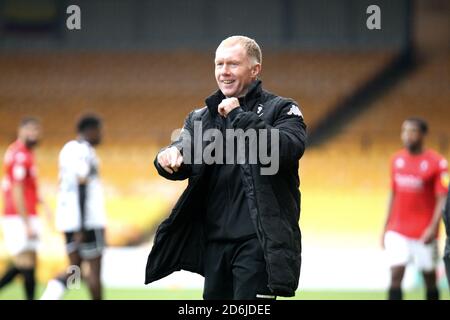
column 395, row 294
column 433, row 294
column 29, row 282
column 10, row 274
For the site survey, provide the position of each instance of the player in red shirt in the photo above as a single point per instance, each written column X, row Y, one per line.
column 418, row 188
column 20, row 197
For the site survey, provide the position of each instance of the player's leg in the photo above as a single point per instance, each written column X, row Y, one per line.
column 75, row 262
column 425, row 256
column 250, row 279
column 23, row 251
column 395, row 288
column 14, row 237
column 218, row 279
column 397, row 249
column 91, row 251
column 431, row 285
column 94, row 278
column 26, row 263
column 9, row 275
column 56, row 287
column 12, row 270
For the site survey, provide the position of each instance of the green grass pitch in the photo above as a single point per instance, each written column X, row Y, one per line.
column 15, row 292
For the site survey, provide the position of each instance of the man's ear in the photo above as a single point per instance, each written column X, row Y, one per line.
column 256, row 70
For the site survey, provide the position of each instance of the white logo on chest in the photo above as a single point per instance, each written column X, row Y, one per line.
column 400, row 163
column 409, row 181
column 424, row 165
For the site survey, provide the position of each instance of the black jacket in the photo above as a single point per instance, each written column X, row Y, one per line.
column 446, row 218
column 274, row 200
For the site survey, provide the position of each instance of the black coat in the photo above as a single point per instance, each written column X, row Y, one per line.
column 446, row 218
column 274, row 200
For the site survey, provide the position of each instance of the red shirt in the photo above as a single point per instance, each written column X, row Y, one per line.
column 415, row 182
column 18, row 166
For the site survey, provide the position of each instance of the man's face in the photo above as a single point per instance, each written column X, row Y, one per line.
column 234, row 70
column 412, row 136
column 94, row 136
column 30, row 134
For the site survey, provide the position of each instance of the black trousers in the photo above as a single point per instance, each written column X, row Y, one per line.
column 235, row 270
column 447, row 259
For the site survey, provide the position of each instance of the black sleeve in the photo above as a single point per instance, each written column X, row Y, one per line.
column 82, row 202
column 446, row 214
column 291, row 129
column 185, row 169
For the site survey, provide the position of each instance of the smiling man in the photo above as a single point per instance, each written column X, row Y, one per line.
column 234, row 225
column 235, row 69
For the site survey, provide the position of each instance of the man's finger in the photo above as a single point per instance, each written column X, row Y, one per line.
column 175, row 166
column 162, row 159
column 179, row 160
column 167, row 169
column 168, row 159
column 173, row 160
column 220, row 109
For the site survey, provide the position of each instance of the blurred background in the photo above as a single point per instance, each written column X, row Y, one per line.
column 143, row 65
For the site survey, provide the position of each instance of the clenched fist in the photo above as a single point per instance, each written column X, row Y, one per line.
column 227, row 105
column 170, row 159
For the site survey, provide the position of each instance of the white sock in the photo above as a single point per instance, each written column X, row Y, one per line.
column 54, row 291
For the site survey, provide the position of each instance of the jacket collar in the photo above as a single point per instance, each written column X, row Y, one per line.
column 247, row 102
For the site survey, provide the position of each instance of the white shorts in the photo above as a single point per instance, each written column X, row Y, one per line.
column 401, row 250
column 15, row 236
